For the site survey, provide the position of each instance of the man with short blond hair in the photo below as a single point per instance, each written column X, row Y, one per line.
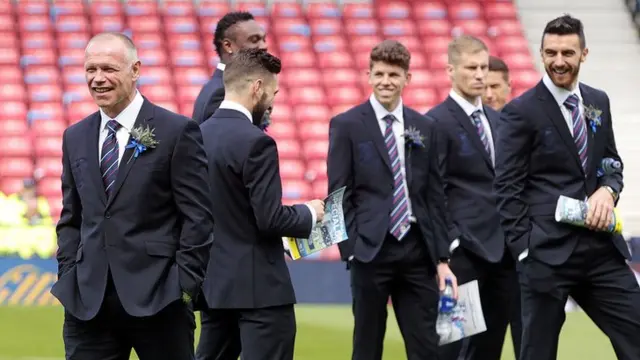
column 466, row 155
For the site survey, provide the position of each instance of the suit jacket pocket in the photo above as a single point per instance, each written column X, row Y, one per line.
column 160, row 249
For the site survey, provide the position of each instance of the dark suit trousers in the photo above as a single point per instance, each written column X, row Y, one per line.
column 495, row 282
column 167, row 335
column 261, row 334
column 599, row 280
column 515, row 321
column 402, row 270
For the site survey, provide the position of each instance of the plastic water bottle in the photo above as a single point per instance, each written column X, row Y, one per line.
column 609, row 166
column 447, row 303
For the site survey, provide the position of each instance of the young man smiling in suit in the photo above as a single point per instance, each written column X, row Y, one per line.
column 394, row 210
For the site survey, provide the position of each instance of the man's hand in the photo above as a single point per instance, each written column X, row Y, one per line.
column 444, row 272
column 318, row 206
column 599, row 215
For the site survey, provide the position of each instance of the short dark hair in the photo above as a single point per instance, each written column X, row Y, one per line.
column 391, row 52
column 226, row 22
column 248, row 63
column 565, row 25
column 496, row 64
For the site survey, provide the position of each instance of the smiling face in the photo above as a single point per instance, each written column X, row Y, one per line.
column 387, row 82
column 245, row 35
column 562, row 56
column 111, row 71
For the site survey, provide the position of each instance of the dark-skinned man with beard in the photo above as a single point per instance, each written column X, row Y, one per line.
column 234, row 31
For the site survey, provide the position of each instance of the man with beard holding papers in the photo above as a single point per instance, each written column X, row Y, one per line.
column 236, row 30
column 550, row 142
column 385, row 154
column 248, row 289
column 466, row 154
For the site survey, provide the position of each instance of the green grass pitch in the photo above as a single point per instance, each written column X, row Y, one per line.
column 324, row 333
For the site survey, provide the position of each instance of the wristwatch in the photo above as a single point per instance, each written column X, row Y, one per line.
column 612, row 192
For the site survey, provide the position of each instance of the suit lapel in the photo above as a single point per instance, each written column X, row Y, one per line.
column 409, row 122
column 465, row 122
column 93, row 161
column 371, row 123
column 493, row 121
column 552, row 109
column 588, row 99
column 144, row 118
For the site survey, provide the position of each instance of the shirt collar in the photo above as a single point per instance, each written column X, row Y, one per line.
column 232, row 105
column 381, row 112
column 466, row 106
column 127, row 117
column 558, row 93
column 221, row 66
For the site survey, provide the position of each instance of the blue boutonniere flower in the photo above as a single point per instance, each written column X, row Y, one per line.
column 266, row 121
column 594, row 115
column 413, row 138
column 141, row 140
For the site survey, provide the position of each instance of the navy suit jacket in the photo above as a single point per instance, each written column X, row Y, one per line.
column 467, row 173
column 153, row 233
column 209, row 98
column 358, row 159
column 537, row 161
column 247, row 268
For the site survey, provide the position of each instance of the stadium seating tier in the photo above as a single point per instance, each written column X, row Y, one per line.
column 324, row 49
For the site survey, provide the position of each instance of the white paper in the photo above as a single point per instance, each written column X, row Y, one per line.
column 467, row 318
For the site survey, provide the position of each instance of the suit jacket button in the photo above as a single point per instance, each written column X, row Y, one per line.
column 107, row 215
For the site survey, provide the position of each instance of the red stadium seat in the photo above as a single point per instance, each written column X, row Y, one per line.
column 418, row 98
column 345, row 95
column 51, row 166
column 32, row 8
column 13, row 110
column 293, row 43
column 303, row 77
column 19, row 167
column 9, row 57
column 72, row 23
column 49, row 128
column 291, row 26
column 7, row 39
column 158, row 93
column 6, row 7
column 38, row 57
column 79, row 110
column 76, row 92
column 434, row 27
column 362, row 27
column 38, row 40
column 329, row 43
column 191, row 75
column 155, row 75
column 281, row 113
column 518, row 61
column 107, row 24
column 188, row 93
column 69, row 7
column 469, row 27
column 148, row 40
column 438, row 61
column 429, row 10
column 307, row 95
column 286, row 10
column 327, row 26
column 294, row 190
column 398, row 28
column 11, row 185
column 45, row 111
column 323, row 10
column 49, row 187
column 393, row 10
column 312, row 113
column 13, row 127
column 7, row 24
column 12, row 92
column 104, row 8
column 332, row 60
column 317, row 169
column 180, row 25
column 436, row 44
column 345, row 76
column 255, row 8
column 177, row 8
column 190, row 41
column 315, row 149
column 45, row 93
column 319, row 189
column 48, row 146
column 352, row 11
column 465, row 10
column 524, row 78
column 412, row 42
column 507, row 44
column 314, row 130
column 46, row 74
column 288, row 148
column 16, row 146
column 283, row 130
column 137, row 9
column 144, row 24
column 297, row 60
column 500, row 10
column 364, row 43
column 505, row 27
column 292, row 169
column 188, row 58
column 11, row 75
column 72, row 41
column 35, row 23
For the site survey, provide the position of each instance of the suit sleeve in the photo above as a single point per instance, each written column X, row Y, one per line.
column 191, row 193
column 610, row 151
column 340, row 173
column 443, row 147
column 513, row 149
column 261, row 176
column 436, row 200
column 213, row 104
column 68, row 227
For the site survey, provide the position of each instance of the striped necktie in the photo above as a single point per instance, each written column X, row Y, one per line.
column 579, row 128
column 477, row 121
column 109, row 160
column 399, row 217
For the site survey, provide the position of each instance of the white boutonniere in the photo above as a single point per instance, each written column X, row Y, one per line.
column 142, row 139
column 593, row 114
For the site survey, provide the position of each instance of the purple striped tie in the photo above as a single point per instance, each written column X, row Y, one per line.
column 477, row 122
column 109, row 160
column 579, row 128
column 399, row 217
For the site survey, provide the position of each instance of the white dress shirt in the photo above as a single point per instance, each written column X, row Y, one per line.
column 221, row 66
column 561, row 95
column 232, row 105
column 398, row 131
column 469, row 109
column 127, row 119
